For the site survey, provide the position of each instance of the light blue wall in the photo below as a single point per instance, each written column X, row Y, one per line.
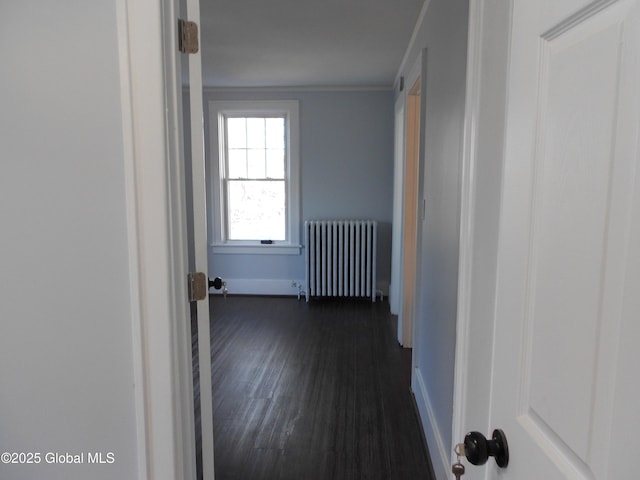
column 443, row 34
column 346, row 156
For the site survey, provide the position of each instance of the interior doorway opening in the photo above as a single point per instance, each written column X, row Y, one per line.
column 410, row 215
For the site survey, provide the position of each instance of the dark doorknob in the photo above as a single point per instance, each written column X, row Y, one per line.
column 216, row 283
column 478, row 449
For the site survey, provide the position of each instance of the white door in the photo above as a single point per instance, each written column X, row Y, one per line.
column 567, row 333
column 198, row 245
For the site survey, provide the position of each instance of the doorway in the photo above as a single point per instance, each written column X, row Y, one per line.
column 410, row 215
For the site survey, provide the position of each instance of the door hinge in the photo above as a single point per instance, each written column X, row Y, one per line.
column 187, row 36
column 198, row 286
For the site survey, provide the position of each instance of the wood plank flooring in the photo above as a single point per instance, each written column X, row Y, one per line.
column 312, row 391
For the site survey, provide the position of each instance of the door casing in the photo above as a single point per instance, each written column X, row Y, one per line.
column 150, row 90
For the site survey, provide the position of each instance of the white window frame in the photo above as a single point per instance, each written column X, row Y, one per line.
column 217, row 112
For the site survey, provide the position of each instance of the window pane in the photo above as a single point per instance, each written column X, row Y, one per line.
column 256, row 210
column 255, row 132
column 236, row 132
column 256, row 164
column 275, row 133
column 237, row 164
column 275, row 163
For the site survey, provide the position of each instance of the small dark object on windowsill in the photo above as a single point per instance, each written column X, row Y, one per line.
column 266, row 242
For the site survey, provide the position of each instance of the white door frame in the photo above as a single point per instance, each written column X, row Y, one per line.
column 157, row 239
column 398, row 195
column 489, row 29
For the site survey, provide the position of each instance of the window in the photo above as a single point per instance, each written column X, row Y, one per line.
column 255, row 148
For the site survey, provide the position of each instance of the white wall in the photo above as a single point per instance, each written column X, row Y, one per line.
column 443, row 33
column 66, row 362
column 346, row 164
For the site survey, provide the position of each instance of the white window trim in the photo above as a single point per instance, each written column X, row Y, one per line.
column 289, row 108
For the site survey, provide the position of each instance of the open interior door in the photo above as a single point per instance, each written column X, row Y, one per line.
column 567, row 325
column 193, row 119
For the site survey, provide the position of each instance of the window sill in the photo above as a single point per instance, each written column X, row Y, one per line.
column 256, row 249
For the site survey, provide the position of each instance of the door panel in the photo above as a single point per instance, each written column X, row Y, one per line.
column 567, row 285
column 569, row 195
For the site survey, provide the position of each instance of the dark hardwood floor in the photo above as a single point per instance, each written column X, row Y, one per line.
column 311, row 391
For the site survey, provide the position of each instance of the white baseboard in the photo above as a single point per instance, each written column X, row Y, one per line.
column 439, row 453
column 383, row 286
column 251, row 286
column 268, row 286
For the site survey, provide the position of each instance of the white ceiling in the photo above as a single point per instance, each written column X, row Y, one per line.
column 304, row 43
